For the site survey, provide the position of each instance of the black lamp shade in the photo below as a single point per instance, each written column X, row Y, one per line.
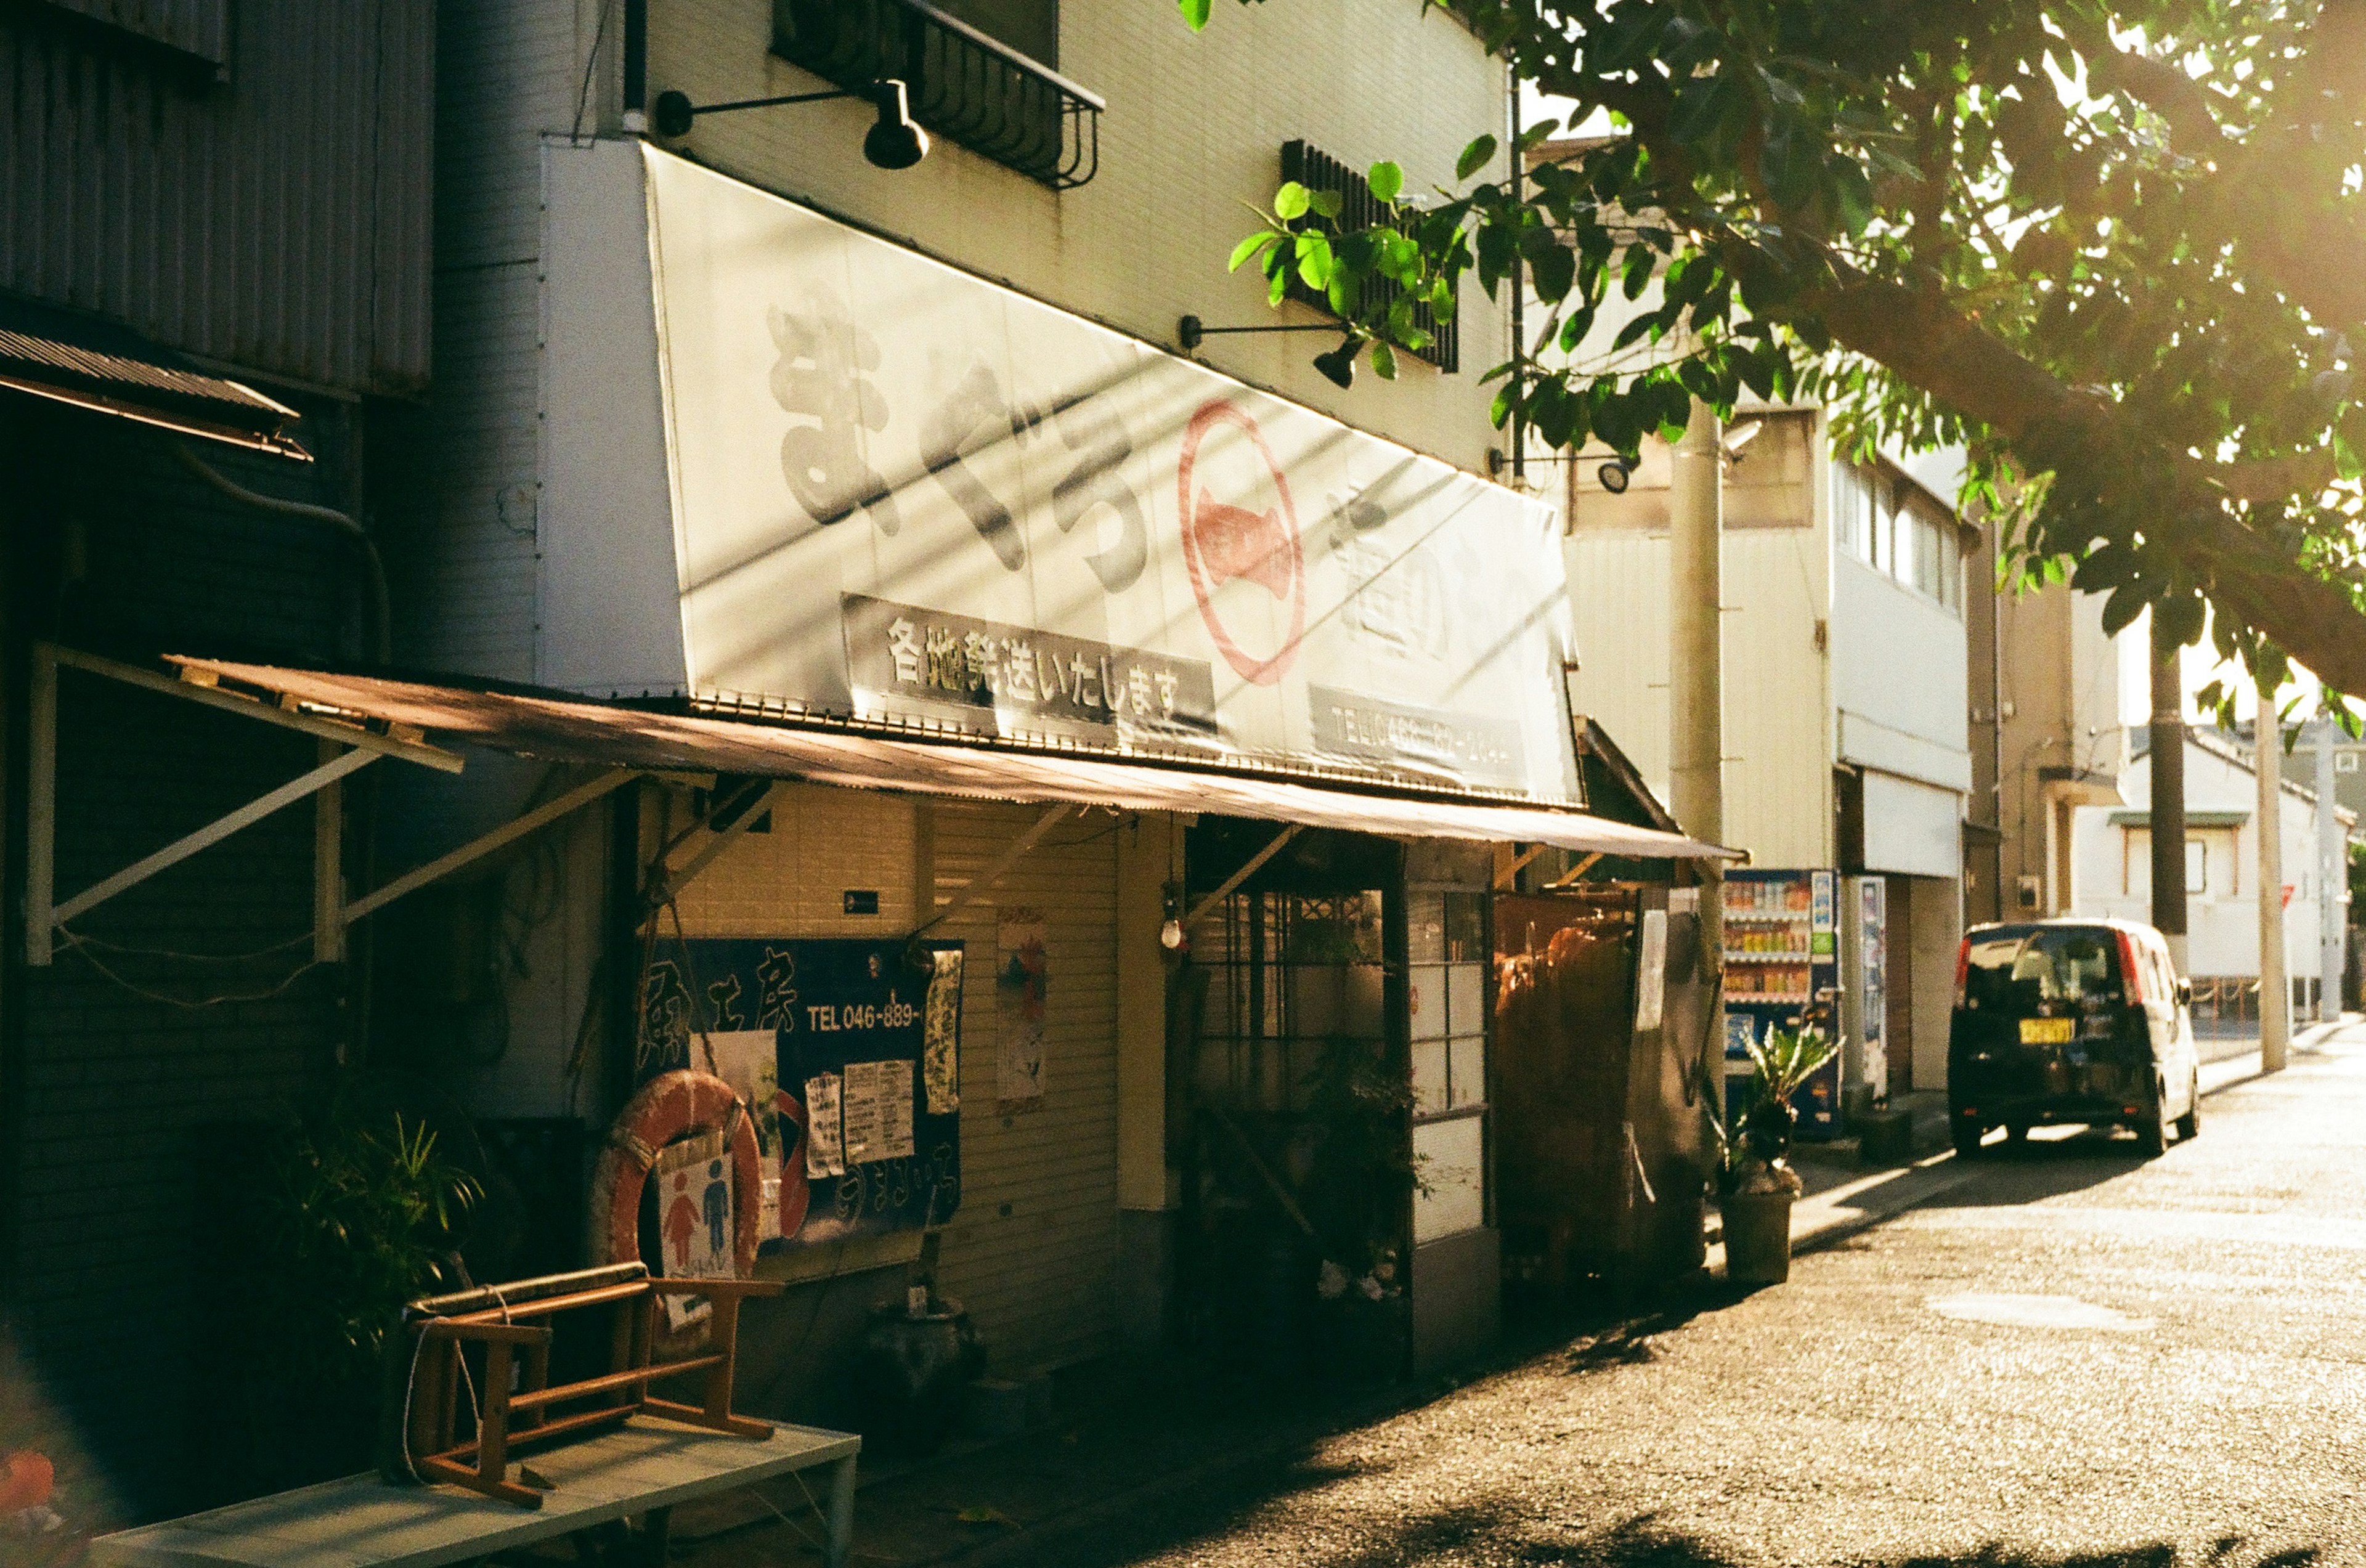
column 1338, row 367
column 894, row 142
column 671, row 114
column 1613, row 476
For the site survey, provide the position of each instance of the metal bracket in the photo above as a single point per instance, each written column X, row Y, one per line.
column 486, row 844
column 979, row 884
column 664, row 882
column 1224, row 889
column 1509, row 875
column 43, row 914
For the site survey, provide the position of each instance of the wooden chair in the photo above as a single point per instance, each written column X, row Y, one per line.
column 509, row 1323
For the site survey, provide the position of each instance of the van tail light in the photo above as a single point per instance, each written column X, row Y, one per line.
column 1963, row 967
column 2131, row 972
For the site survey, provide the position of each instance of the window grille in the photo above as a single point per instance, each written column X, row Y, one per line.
column 963, row 85
column 1359, row 210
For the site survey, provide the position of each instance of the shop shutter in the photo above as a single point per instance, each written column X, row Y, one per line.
column 1033, row 1252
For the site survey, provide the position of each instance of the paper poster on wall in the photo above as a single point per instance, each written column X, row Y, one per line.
column 868, row 1133
column 825, row 1130
column 1019, row 980
column 749, row 1060
column 941, row 1035
column 695, row 1226
column 1652, row 971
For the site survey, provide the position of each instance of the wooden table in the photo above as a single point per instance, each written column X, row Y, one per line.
column 362, row 1521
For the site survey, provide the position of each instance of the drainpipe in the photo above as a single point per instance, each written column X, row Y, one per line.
column 636, row 66
column 1519, row 431
column 380, row 636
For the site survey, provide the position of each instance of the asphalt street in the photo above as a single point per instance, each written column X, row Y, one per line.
column 2073, row 1357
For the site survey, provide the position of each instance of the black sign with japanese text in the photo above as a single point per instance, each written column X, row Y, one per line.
column 904, row 657
column 848, row 1055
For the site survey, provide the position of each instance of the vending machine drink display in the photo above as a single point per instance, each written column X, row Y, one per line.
column 1781, row 970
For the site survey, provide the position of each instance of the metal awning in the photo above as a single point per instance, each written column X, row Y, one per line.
column 96, row 365
column 599, row 734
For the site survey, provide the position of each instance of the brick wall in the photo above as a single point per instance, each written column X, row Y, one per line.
column 118, row 1077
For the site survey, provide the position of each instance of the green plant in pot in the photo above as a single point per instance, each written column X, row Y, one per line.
column 347, row 1213
column 1755, row 1182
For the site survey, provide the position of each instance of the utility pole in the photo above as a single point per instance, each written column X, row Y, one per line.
column 2332, row 877
column 2168, row 816
column 2275, row 992
column 1696, row 667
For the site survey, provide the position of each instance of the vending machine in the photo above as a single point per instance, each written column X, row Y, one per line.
column 1864, row 983
column 1781, row 970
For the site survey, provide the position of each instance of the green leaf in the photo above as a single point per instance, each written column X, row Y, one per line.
column 1291, row 202
column 1195, row 13
column 1637, row 271
column 1475, row 157
column 1386, row 180
column 1315, row 262
column 1326, row 203
column 1552, row 268
column 1384, row 361
column 1243, row 252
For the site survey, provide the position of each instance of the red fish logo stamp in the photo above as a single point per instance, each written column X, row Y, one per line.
column 1225, row 541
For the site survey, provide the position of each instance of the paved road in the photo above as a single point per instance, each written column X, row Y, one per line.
column 2073, row 1357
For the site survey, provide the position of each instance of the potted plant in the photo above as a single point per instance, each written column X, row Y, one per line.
column 1755, row 1182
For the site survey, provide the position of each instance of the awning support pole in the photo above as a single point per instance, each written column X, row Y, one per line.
column 1256, row 860
column 41, row 805
column 1576, row 872
column 664, row 884
column 1511, row 873
column 485, row 844
column 329, row 866
column 214, row 832
column 985, row 880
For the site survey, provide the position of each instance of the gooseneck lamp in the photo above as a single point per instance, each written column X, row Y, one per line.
column 894, row 142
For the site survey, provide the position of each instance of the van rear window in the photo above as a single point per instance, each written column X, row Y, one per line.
column 2017, row 971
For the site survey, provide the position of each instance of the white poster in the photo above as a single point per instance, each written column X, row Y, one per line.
column 1021, row 981
column 897, row 489
column 878, row 1111
column 749, row 1061
column 1651, row 971
column 825, row 1137
column 696, row 1235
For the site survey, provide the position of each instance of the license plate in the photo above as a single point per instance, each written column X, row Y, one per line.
column 2047, row 1030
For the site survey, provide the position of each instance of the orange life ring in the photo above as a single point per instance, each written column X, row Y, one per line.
column 672, row 1106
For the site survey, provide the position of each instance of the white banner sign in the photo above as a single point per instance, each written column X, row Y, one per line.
column 900, row 491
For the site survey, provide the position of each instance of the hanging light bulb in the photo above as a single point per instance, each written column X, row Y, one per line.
column 1170, row 932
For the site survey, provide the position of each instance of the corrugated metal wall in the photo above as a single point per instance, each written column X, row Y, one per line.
column 277, row 221
column 1033, row 1252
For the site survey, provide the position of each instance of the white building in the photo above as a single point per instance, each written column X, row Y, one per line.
column 2112, row 863
column 1844, row 678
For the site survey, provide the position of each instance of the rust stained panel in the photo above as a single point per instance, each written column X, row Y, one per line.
column 276, row 219
column 603, row 735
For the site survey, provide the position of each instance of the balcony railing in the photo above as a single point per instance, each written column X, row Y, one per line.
column 963, row 85
column 1359, row 208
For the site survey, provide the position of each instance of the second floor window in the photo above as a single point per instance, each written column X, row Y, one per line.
column 1885, row 520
